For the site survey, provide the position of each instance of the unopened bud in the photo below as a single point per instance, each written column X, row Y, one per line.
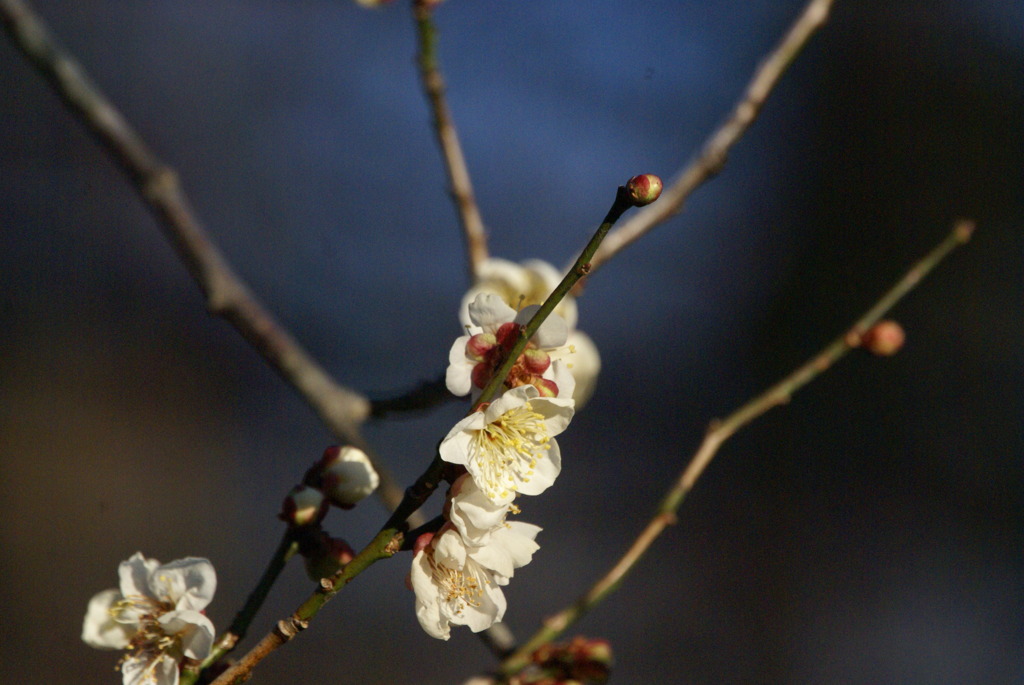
column 326, row 556
column 593, row 659
column 479, row 345
column 644, row 189
column 581, row 661
column 545, row 387
column 885, row 338
column 303, row 506
column 422, row 541
column 536, row 361
column 347, row 476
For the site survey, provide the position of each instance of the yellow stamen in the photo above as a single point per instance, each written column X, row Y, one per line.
column 506, row 451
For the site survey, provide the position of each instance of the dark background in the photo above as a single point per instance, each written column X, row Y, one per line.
column 871, row 531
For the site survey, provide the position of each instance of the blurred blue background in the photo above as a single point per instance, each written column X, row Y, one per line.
column 871, row 531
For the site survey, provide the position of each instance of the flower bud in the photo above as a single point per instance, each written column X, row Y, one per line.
column 303, row 506
column 325, row 555
column 644, row 189
column 479, row 345
column 593, row 658
column 536, row 361
column 545, row 387
column 347, row 476
column 422, row 541
column 581, row 661
column 885, row 338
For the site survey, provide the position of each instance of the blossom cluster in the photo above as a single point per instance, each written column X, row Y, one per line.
column 156, row 615
column 507, row 447
column 342, row 477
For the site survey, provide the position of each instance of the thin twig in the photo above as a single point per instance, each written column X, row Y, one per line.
column 340, row 409
column 426, row 395
column 718, row 433
column 448, row 138
column 716, row 148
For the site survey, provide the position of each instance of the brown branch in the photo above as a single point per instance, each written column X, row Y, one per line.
column 448, row 138
column 716, row 148
column 719, row 432
column 340, row 409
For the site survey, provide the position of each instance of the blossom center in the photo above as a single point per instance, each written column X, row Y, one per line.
column 150, row 639
column 458, row 589
column 506, row 451
column 145, row 608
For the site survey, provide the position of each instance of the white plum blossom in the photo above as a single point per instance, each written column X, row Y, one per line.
column 494, row 329
column 459, row 584
column 452, row 588
column 156, row 616
column 530, row 283
column 519, row 285
column 509, row 447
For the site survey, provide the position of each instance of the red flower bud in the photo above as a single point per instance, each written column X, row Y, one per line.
column 422, row 541
column 479, row 345
column 508, row 334
column 885, row 338
column 536, row 361
column 325, row 555
column 644, row 189
column 546, row 387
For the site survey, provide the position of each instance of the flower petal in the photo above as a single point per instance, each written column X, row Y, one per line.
column 472, row 513
column 489, row 311
column 511, row 546
column 144, row 669
column 557, row 412
column 194, row 631
column 563, row 378
column 459, row 375
column 544, row 472
column 552, row 333
column 187, row 583
column 455, row 447
column 544, row 278
column 490, row 609
column 350, row 477
column 511, row 399
column 99, row 629
column 584, row 361
column 428, row 607
column 134, row 575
